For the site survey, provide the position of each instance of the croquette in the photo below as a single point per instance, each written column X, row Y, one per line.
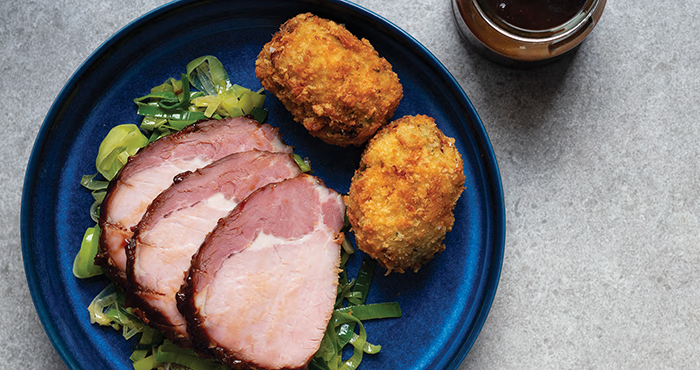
column 336, row 85
column 402, row 197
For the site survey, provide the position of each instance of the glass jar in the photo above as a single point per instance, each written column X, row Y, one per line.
column 526, row 33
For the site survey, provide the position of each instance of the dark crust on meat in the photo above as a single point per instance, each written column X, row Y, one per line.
column 134, row 297
column 144, row 310
column 137, row 295
column 186, row 305
column 103, row 258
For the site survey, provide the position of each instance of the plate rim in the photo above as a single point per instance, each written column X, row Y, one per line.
column 495, row 188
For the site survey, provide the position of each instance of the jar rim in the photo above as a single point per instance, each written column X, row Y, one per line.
column 545, row 35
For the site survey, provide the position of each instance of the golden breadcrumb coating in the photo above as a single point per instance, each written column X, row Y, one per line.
column 402, row 196
column 334, row 84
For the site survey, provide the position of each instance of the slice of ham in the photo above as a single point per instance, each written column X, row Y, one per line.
column 260, row 291
column 176, row 223
column 153, row 168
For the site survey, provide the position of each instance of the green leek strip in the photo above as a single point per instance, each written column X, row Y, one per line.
column 138, row 354
column 302, row 163
column 84, row 262
column 150, row 337
column 347, row 246
column 366, row 312
column 259, row 114
column 344, row 291
column 364, row 278
column 99, row 196
column 373, row 311
column 318, row 363
column 258, row 98
column 213, row 108
column 344, row 256
column 346, row 222
column 89, row 182
column 147, row 363
column 171, row 353
column 102, row 302
column 196, row 94
column 364, row 281
column 167, row 127
column 230, row 105
column 107, row 309
column 178, row 125
column 159, row 96
column 150, row 123
column 184, row 99
column 217, row 97
column 99, row 191
column 174, row 114
column 158, row 133
column 328, row 355
column 95, row 211
column 121, row 142
column 120, row 317
column 340, row 330
column 246, row 103
column 209, row 103
column 359, row 344
column 239, row 90
column 207, row 74
column 132, row 328
column 171, row 85
column 369, row 348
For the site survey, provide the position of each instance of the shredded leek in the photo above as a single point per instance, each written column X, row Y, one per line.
column 171, row 353
column 208, row 74
column 90, row 183
column 304, row 164
column 341, row 328
column 107, row 309
column 99, row 190
column 121, row 142
column 347, row 247
column 153, row 351
column 172, row 105
column 373, row 311
column 84, row 262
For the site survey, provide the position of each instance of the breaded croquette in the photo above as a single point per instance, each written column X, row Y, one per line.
column 336, row 85
column 402, row 196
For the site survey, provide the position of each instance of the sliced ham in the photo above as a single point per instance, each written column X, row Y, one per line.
column 153, row 168
column 260, row 291
column 176, row 223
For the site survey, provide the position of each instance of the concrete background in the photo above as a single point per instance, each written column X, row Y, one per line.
column 598, row 157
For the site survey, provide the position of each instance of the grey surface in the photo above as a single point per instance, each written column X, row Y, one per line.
column 598, row 156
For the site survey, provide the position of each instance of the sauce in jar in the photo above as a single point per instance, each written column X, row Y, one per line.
column 525, row 33
column 534, row 14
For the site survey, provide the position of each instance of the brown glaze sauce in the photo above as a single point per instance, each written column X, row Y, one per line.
column 534, row 14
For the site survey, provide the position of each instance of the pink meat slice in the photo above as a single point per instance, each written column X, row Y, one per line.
column 176, row 223
column 153, row 168
column 260, row 291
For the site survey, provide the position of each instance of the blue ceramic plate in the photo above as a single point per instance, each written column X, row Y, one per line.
column 444, row 304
